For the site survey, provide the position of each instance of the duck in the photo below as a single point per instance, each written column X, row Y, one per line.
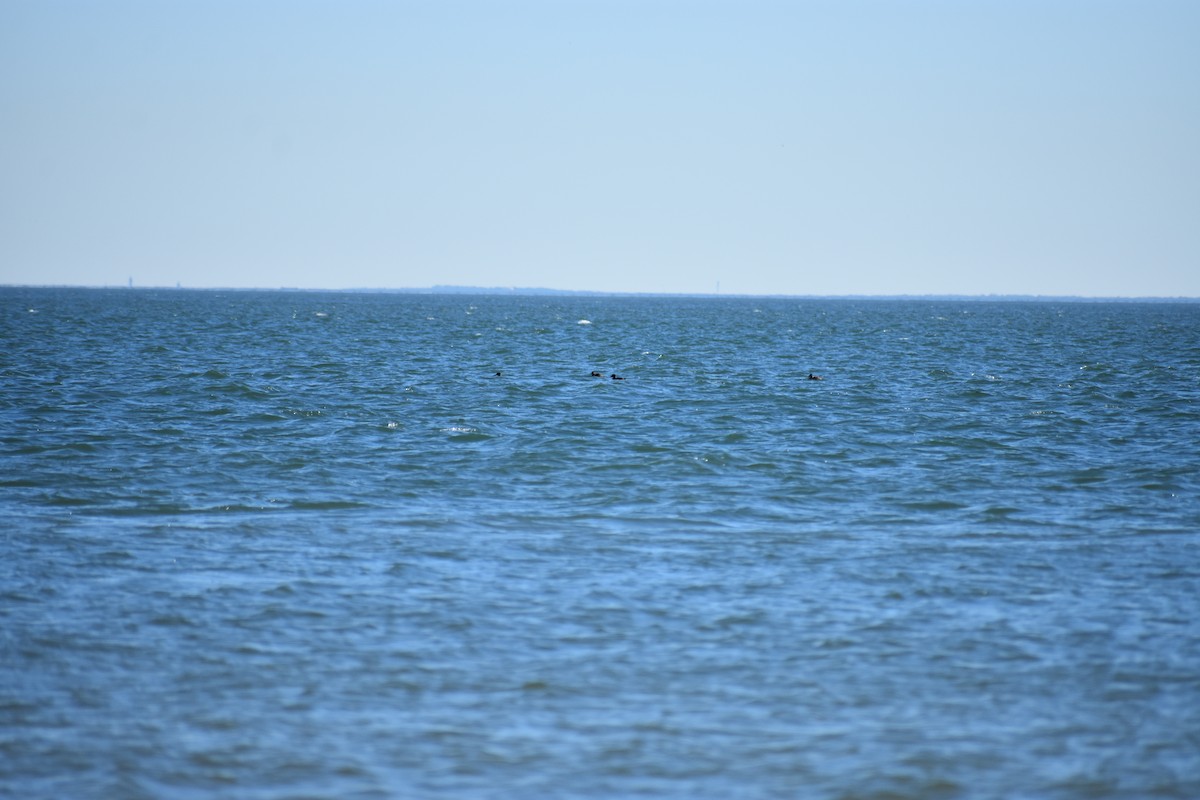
column 596, row 374
column 616, row 377
column 812, row 377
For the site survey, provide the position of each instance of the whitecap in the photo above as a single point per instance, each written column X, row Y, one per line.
column 585, row 322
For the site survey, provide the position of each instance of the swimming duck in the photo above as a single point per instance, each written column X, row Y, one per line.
column 616, row 377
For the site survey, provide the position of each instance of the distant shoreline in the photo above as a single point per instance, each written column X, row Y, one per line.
column 487, row 291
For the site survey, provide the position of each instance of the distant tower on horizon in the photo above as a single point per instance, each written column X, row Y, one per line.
column 131, row 282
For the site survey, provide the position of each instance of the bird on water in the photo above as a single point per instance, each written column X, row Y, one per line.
column 616, row 377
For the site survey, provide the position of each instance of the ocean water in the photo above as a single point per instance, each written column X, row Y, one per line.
column 307, row 545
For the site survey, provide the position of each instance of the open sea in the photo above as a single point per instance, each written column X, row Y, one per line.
column 346, row 545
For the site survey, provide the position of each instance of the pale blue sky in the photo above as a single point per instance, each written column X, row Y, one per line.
column 841, row 147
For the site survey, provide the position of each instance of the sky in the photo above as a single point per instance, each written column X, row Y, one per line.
column 1043, row 147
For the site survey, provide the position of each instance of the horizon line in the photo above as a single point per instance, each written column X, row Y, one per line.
column 450, row 289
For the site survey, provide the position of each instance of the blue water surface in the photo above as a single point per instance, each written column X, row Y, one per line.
column 292, row 544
